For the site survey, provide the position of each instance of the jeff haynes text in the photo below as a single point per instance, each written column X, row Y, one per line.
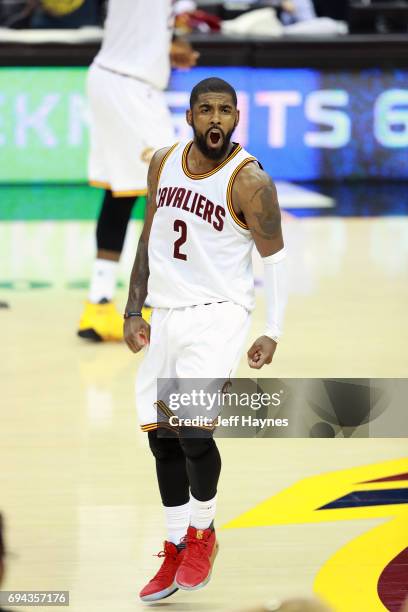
column 232, row 421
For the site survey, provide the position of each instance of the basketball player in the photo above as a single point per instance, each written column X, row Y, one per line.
column 129, row 121
column 209, row 201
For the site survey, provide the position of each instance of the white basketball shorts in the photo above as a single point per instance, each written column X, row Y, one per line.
column 129, row 120
column 203, row 341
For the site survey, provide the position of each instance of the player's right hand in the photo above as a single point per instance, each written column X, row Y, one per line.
column 137, row 333
column 261, row 352
column 182, row 54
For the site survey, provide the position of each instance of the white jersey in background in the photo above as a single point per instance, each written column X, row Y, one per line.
column 199, row 250
column 137, row 40
column 129, row 118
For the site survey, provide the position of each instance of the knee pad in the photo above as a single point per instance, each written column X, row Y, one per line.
column 113, row 221
column 164, row 449
column 194, row 448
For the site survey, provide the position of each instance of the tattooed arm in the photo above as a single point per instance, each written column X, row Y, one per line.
column 254, row 197
column 136, row 329
column 255, row 200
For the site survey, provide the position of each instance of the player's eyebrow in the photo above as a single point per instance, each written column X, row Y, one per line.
column 209, row 105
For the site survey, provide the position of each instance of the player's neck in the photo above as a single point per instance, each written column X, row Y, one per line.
column 198, row 163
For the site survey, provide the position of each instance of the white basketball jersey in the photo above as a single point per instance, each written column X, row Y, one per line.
column 199, row 250
column 137, row 40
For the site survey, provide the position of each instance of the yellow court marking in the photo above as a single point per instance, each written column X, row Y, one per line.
column 348, row 580
column 300, row 502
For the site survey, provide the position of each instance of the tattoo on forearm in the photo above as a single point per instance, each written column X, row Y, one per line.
column 140, row 271
column 139, row 278
column 269, row 217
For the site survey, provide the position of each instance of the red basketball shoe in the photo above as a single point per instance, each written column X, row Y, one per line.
column 162, row 584
column 195, row 569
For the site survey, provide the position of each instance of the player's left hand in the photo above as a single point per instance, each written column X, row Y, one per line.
column 182, row 54
column 261, row 352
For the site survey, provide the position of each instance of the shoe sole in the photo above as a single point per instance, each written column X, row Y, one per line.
column 207, row 580
column 160, row 595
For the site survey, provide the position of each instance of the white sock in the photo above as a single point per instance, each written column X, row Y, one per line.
column 103, row 281
column 202, row 512
column 177, row 521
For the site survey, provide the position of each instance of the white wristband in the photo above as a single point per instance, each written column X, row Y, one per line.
column 271, row 334
column 276, row 293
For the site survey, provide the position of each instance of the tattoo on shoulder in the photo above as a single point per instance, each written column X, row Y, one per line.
column 266, row 211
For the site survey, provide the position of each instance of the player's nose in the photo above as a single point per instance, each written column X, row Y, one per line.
column 216, row 118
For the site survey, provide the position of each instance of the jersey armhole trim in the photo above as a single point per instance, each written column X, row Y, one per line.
column 163, row 161
column 229, row 192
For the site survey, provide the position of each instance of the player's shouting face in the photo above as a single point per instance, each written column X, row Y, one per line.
column 214, row 117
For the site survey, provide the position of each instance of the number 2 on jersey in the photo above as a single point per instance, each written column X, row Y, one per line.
column 180, row 226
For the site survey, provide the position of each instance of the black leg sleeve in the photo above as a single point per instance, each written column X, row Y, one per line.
column 203, row 462
column 171, row 469
column 113, row 221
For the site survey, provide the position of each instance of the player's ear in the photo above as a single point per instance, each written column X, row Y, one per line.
column 189, row 117
column 236, row 119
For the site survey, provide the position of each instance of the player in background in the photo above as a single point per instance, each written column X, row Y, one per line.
column 129, row 121
column 209, row 202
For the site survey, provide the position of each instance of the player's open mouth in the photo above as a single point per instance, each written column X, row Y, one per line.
column 215, row 136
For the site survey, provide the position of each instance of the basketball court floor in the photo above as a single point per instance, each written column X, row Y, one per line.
column 77, row 481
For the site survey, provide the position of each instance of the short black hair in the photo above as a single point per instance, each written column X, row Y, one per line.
column 212, row 85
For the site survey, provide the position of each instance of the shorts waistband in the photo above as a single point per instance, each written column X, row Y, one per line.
column 123, row 74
